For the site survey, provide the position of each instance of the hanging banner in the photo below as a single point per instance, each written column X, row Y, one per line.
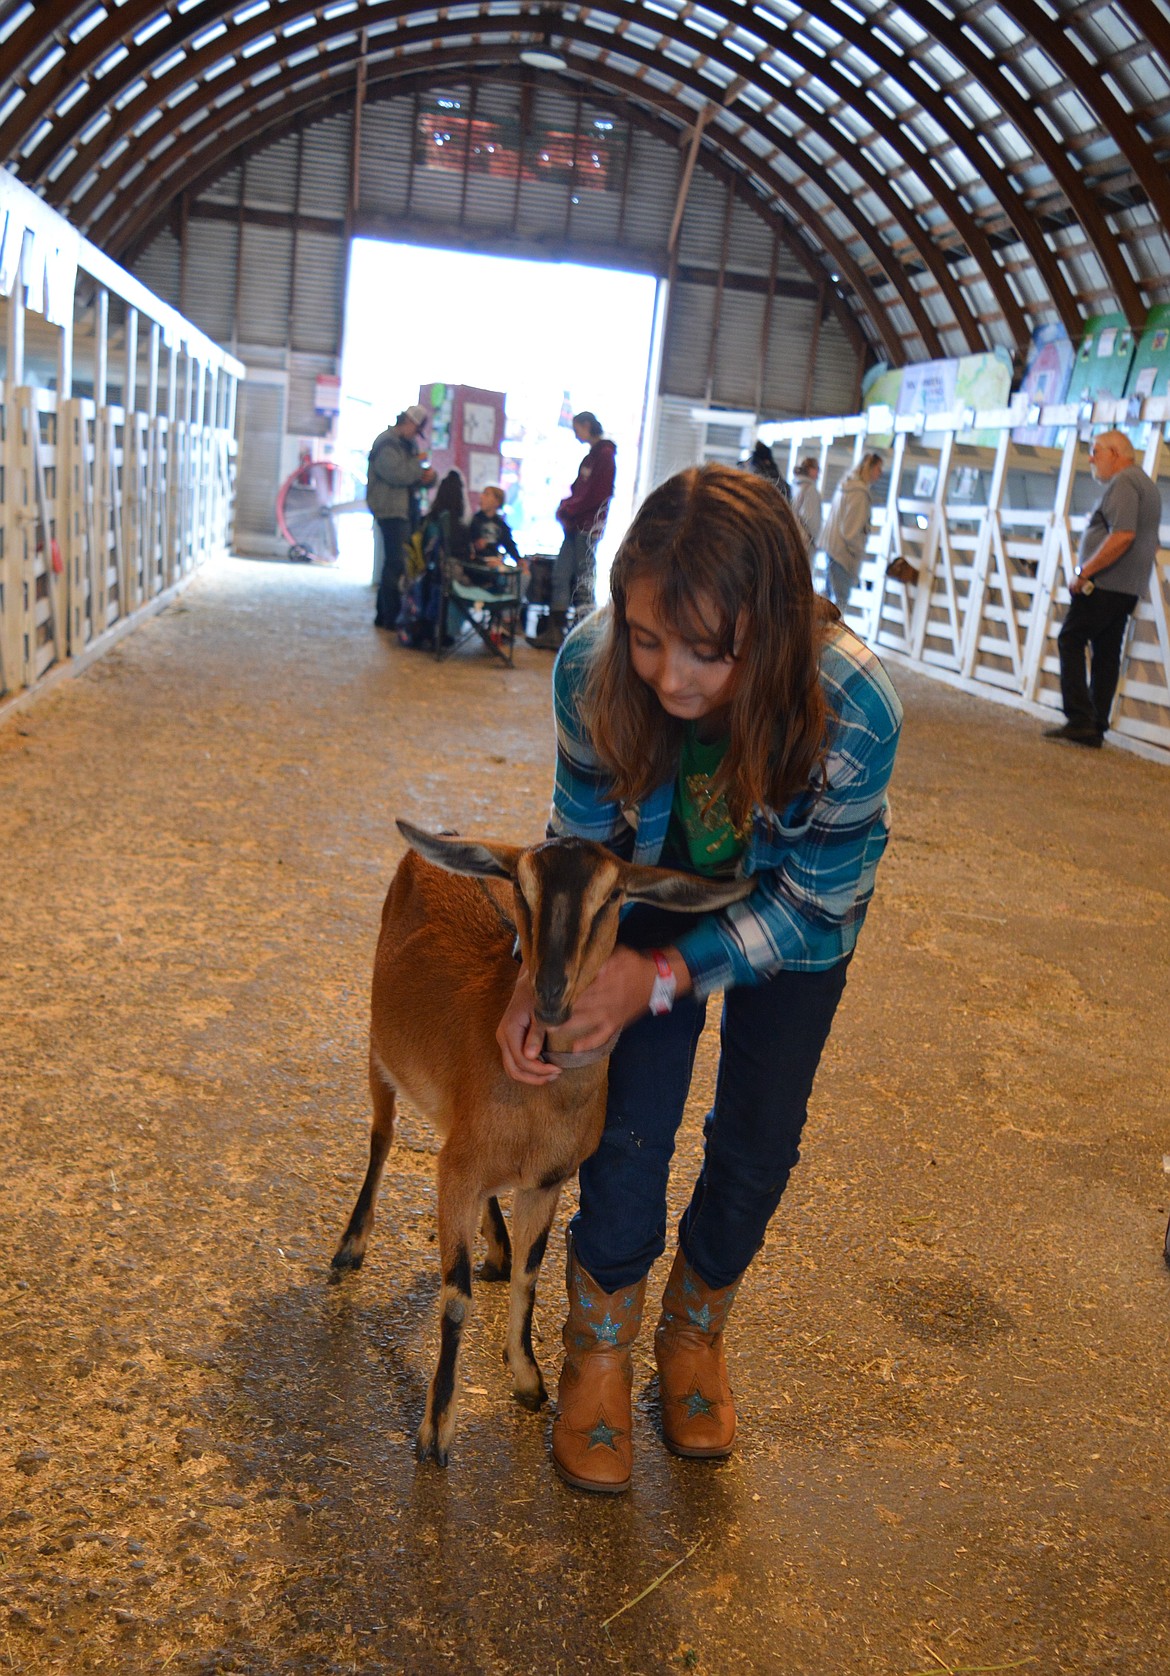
column 1045, row 381
column 1103, row 359
column 1149, row 374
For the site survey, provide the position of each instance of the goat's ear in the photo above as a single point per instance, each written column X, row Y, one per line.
column 686, row 893
column 482, row 858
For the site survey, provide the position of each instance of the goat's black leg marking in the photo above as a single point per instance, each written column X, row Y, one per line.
column 459, row 1213
column 352, row 1250
column 457, row 1296
column 497, row 1265
column 532, row 1213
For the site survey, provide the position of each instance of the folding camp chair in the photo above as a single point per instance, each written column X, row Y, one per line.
column 468, row 609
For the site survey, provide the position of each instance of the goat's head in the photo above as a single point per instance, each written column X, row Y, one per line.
column 568, row 894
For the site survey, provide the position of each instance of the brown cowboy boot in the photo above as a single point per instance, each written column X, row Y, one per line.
column 592, row 1445
column 698, row 1410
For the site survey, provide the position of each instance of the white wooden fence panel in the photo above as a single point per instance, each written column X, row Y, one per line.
column 992, row 588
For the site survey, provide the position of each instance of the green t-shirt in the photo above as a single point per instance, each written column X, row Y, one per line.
column 701, row 839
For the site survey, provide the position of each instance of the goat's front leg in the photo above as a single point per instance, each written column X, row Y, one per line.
column 533, row 1209
column 459, row 1209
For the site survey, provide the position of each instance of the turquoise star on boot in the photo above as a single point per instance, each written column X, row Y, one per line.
column 602, row 1436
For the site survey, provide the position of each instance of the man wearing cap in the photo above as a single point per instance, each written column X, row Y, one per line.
column 394, row 470
column 1117, row 548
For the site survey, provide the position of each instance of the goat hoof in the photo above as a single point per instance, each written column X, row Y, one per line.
column 427, row 1446
column 346, row 1258
column 534, row 1401
column 490, row 1271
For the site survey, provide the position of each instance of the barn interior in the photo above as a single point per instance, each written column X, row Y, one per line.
column 938, row 229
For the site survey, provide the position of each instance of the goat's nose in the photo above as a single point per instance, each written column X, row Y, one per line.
column 552, row 1006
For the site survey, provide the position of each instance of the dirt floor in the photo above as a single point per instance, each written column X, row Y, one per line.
column 952, row 1361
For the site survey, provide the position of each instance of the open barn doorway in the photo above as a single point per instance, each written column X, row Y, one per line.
column 555, row 337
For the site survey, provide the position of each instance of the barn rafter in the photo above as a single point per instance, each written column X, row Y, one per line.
column 956, row 173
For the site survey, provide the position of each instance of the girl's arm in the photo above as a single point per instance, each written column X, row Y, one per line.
column 818, row 884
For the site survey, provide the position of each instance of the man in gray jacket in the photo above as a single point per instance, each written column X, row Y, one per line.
column 847, row 526
column 394, row 471
column 1117, row 548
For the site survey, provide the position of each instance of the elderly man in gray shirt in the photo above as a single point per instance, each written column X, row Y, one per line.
column 1113, row 566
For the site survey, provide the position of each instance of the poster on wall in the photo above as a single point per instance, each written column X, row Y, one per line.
column 1045, row 381
column 1149, row 373
column 1103, row 359
column 881, row 387
column 970, row 381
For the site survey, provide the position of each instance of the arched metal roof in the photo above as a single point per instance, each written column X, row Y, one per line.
column 960, row 172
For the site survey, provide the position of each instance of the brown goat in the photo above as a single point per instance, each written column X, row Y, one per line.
column 443, row 975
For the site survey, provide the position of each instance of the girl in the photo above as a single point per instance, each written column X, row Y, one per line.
column 847, row 526
column 716, row 717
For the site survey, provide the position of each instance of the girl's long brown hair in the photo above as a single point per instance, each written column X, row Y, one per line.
column 716, row 542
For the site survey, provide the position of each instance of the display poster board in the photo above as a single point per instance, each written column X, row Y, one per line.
column 1103, row 359
column 466, row 432
column 1149, row 373
column 1045, row 382
column 881, row 387
column 943, row 386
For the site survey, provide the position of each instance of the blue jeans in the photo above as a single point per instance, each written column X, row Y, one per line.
column 840, row 584
column 771, row 1039
column 573, row 577
column 394, row 537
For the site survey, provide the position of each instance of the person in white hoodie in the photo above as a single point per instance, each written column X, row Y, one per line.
column 806, row 501
column 843, row 540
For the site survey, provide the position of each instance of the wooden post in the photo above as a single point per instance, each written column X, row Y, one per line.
column 766, row 325
column 717, row 306
column 813, row 347
column 14, row 376
column 101, row 345
column 130, row 392
column 152, row 376
column 65, row 360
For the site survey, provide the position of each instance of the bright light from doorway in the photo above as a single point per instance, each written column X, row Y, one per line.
column 551, row 335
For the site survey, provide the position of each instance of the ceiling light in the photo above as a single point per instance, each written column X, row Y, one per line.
column 543, row 58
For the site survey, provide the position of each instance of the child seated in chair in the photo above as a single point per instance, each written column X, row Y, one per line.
column 488, row 533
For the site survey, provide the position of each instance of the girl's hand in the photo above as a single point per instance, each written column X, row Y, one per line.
column 521, row 1038
column 619, row 994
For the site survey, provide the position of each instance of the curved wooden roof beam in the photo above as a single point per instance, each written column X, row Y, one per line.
column 274, row 56
column 239, row 37
column 121, row 25
column 167, row 86
column 1094, row 90
column 341, row 103
column 991, row 79
column 1018, row 213
column 118, row 232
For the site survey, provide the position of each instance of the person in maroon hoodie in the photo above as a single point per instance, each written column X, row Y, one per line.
column 582, row 517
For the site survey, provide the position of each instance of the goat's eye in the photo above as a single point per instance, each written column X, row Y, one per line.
column 615, row 896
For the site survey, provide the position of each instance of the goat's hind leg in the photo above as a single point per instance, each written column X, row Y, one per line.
column 533, row 1209
column 459, row 1209
column 352, row 1250
column 497, row 1265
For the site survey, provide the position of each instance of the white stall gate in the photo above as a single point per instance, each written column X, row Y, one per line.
column 104, row 506
column 992, row 528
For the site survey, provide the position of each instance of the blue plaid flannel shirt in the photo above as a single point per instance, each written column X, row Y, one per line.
column 814, row 861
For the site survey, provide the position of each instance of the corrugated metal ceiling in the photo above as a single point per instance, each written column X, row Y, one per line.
column 932, row 158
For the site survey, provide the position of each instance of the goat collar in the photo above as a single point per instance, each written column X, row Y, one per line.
column 574, row 1061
